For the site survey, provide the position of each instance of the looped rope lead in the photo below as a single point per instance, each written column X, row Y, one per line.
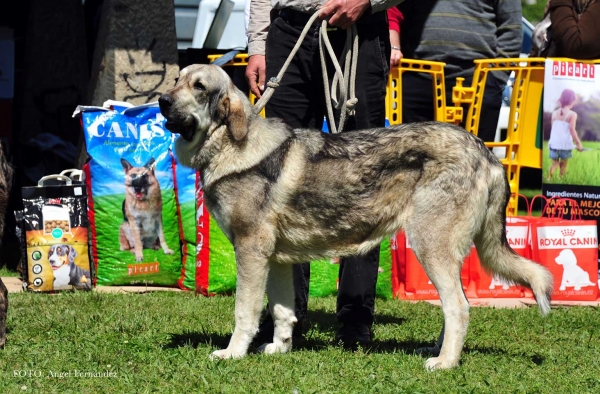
column 346, row 79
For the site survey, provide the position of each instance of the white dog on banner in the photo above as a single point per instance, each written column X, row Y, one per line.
column 573, row 275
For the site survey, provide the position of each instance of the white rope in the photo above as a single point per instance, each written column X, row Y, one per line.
column 346, row 80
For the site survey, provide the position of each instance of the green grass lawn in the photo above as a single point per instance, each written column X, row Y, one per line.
column 160, row 342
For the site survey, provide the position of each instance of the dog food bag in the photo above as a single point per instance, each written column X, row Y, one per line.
column 215, row 258
column 398, row 271
column 129, row 176
column 185, row 194
column 54, row 225
column 569, row 249
column 417, row 285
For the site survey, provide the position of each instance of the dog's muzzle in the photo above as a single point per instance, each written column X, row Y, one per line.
column 185, row 127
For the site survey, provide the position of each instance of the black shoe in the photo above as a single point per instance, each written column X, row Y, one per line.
column 353, row 334
column 266, row 331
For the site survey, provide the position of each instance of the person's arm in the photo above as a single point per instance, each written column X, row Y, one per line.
column 396, row 54
column 575, row 37
column 395, row 18
column 258, row 27
column 508, row 28
column 574, row 135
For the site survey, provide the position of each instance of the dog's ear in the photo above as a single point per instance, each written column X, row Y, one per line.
column 72, row 253
column 150, row 164
column 232, row 109
column 126, row 165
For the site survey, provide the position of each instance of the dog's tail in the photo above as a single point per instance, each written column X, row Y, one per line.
column 497, row 256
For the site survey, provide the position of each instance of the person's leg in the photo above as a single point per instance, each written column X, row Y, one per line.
column 490, row 108
column 358, row 274
column 295, row 101
column 563, row 167
column 555, row 162
column 417, row 97
column 553, row 168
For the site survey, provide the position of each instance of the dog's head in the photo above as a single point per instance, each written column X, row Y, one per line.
column 59, row 255
column 566, row 257
column 204, row 98
column 138, row 180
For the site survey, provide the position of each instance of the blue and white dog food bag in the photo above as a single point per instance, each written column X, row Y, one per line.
column 135, row 234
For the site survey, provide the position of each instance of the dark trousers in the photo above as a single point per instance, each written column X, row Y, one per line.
column 300, row 102
column 417, row 101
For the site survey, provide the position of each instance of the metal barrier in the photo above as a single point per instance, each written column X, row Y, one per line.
column 521, row 147
column 393, row 100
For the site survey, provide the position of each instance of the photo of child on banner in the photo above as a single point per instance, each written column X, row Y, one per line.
column 571, row 133
column 571, row 130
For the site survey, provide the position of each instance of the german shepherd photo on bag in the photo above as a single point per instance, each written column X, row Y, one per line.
column 142, row 226
column 286, row 196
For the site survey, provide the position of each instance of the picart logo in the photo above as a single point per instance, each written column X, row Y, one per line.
column 570, row 69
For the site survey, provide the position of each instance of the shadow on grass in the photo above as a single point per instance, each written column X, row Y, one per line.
column 321, row 332
column 194, row 339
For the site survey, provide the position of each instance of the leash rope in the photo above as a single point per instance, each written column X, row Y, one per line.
column 346, row 79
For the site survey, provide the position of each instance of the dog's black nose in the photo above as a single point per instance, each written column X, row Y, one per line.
column 165, row 101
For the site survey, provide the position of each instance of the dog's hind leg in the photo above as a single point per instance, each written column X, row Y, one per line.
column 252, row 268
column 446, row 278
column 441, row 246
column 280, row 290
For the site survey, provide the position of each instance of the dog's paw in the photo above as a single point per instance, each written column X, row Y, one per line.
column 139, row 257
column 223, row 354
column 435, row 363
column 168, row 251
column 267, row 348
column 271, row 348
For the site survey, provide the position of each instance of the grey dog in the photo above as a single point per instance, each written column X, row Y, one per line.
column 286, row 195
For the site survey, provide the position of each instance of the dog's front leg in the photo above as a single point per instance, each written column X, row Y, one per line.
column 252, row 268
column 137, row 241
column 161, row 238
column 280, row 290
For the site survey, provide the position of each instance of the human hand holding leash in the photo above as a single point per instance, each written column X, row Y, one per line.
column 343, row 13
column 256, row 74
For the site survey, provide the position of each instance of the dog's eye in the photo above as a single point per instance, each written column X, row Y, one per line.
column 198, row 85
